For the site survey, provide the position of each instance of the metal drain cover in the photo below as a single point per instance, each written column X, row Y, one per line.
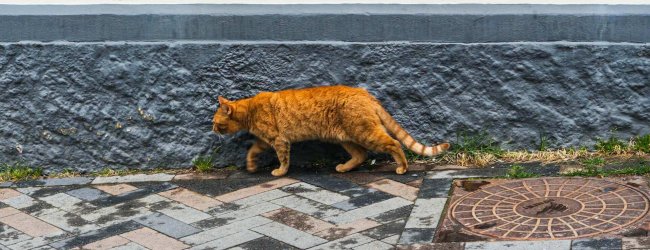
column 550, row 208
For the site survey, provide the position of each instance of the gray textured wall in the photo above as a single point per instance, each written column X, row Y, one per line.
column 469, row 23
column 62, row 102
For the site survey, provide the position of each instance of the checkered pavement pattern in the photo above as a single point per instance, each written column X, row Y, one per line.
column 309, row 211
column 356, row 210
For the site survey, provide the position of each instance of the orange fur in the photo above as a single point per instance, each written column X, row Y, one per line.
column 340, row 114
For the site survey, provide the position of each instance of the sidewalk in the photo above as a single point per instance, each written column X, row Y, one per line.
column 357, row 210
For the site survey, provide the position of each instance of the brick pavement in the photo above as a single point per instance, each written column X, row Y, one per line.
column 357, row 210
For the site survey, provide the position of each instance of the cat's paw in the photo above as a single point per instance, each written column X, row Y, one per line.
column 400, row 170
column 278, row 172
column 341, row 168
column 251, row 168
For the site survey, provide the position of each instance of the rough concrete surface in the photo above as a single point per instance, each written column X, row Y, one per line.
column 465, row 23
column 143, row 105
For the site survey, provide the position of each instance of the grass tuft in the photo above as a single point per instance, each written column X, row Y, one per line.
column 596, row 161
column 518, row 172
column 543, row 142
column 612, row 145
column 203, row 163
column 474, row 149
column 642, row 144
column 19, row 171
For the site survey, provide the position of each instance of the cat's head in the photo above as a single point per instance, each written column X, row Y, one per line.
column 223, row 121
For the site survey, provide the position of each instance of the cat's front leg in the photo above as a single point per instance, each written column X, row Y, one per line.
column 282, row 147
column 258, row 147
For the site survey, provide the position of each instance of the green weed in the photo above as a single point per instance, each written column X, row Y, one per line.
column 642, row 143
column 231, row 168
column 480, row 142
column 203, row 163
column 473, row 149
column 612, row 145
column 19, row 171
column 593, row 171
column 596, row 161
column 543, row 142
column 518, row 172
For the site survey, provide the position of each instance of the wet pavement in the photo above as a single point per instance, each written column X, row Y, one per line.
column 423, row 209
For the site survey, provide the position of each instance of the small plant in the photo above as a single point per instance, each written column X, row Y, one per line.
column 203, row 163
column 106, row 171
column 642, row 170
column 596, row 161
column 612, row 145
column 543, row 142
column 67, row 172
column 412, row 156
column 231, row 168
column 479, row 149
column 19, row 171
column 518, row 172
column 642, row 144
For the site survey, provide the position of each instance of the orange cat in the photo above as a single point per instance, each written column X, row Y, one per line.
column 339, row 114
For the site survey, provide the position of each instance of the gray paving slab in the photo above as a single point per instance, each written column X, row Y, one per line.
column 520, row 245
column 289, row 235
column 426, row 213
column 67, row 181
column 133, row 178
column 416, row 235
column 167, row 225
column 88, row 194
column 597, row 244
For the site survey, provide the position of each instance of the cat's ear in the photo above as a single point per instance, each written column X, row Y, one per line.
column 223, row 100
column 224, row 103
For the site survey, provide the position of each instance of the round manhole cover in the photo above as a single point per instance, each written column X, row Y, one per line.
column 550, row 208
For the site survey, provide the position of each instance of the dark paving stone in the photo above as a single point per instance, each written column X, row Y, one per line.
column 404, row 178
column 37, row 206
column 386, row 230
column 142, row 191
column 360, row 178
column 438, row 246
column 328, row 182
column 88, row 194
column 267, row 244
column 211, row 223
column 67, row 181
column 29, row 183
column 358, row 191
column 167, row 225
column 597, row 244
column 224, row 208
column 417, row 235
column 435, row 188
column 372, row 197
column 6, row 184
column 397, row 214
column 93, row 236
column 636, row 243
column 47, row 191
column 537, row 168
column 219, row 187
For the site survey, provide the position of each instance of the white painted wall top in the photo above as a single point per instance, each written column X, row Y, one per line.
column 84, row 2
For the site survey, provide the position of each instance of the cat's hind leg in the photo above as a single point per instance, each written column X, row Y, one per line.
column 282, row 147
column 379, row 140
column 358, row 154
column 258, row 147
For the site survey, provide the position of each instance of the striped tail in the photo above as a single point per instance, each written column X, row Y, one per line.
column 405, row 138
